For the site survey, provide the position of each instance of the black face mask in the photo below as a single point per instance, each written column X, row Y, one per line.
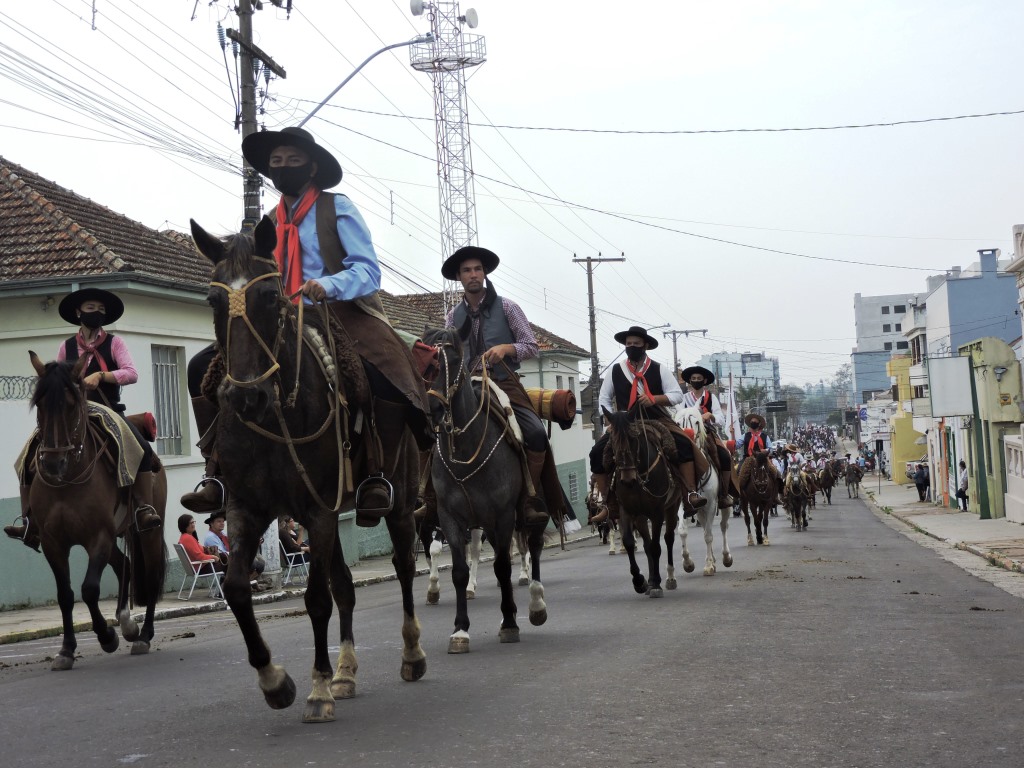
column 93, row 320
column 635, row 354
column 696, row 382
column 290, row 179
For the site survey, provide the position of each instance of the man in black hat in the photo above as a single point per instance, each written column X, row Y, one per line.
column 325, row 253
column 497, row 335
column 640, row 382
column 698, row 396
column 108, row 367
column 754, row 440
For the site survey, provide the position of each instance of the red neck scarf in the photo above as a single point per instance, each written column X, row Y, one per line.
column 756, row 442
column 705, row 402
column 638, row 376
column 288, row 253
column 90, row 347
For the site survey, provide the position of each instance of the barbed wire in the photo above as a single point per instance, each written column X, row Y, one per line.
column 17, row 387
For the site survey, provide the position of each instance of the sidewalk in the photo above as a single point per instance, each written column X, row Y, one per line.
column 998, row 541
column 33, row 623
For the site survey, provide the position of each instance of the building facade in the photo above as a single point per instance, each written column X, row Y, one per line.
column 746, row 368
column 879, row 322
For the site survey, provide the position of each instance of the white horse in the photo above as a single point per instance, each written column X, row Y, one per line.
column 691, row 419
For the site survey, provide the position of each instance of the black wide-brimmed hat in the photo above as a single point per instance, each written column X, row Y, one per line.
column 488, row 259
column 709, row 377
column 256, row 148
column 751, row 417
column 216, row 516
column 69, row 305
column 636, row 330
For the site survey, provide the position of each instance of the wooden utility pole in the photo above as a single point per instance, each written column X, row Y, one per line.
column 246, row 119
column 591, row 265
column 675, row 348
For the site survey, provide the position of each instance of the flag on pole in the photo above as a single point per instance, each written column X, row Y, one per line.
column 733, row 425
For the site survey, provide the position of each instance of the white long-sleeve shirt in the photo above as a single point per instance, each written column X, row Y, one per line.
column 669, row 386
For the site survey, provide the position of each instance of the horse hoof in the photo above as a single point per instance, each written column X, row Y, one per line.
column 459, row 644
column 524, row 581
column 750, row 541
column 538, row 617
column 640, row 585
column 611, row 552
column 283, row 696
column 414, row 670
column 709, row 571
column 140, row 648
column 766, row 542
column 111, row 645
column 433, row 597
column 689, row 567
column 318, row 711
column 343, row 689
column 129, row 627
column 508, row 635
column 62, row 663
column 470, row 594
column 727, row 561
column 655, row 592
column 670, row 584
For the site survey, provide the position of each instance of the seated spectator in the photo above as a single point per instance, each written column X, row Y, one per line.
column 217, row 540
column 290, row 539
column 190, row 543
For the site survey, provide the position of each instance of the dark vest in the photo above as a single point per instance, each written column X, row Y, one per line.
column 623, row 386
column 704, row 402
column 746, row 442
column 495, row 328
column 112, row 392
column 332, row 250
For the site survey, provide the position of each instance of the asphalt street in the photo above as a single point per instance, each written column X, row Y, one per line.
column 850, row 644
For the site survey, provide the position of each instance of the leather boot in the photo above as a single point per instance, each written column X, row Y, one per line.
column 375, row 496
column 725, row 499
column 209, row 496
column 535, row 511
column 146, row 517
column 601, row 485
column 25, row 533
column 692, row 501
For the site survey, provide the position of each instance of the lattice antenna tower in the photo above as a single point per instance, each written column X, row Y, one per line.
column 446, row 59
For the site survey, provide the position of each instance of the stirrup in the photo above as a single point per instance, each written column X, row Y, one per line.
column 207, row 479
column 375, row 481
column 151, row 526
column 699, row 502
column 19, row 522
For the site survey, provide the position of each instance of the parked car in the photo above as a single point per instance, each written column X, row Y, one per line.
column 912, row 465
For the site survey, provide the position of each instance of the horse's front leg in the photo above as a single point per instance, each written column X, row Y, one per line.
column 652, row 546
column 343, row 682
column 670, row 568
column 747, row 514
column 459, row 640
column 532, row 544
column 98, row 558
column 724, row 525
column 629, row 542
column 502, row 543
column 65, row 658
column 475, row 537
column 709, row 538
column 688, row 564
column 526, row 558
column 403, row 539
column 277, row 686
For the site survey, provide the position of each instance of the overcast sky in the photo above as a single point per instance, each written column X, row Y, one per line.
column 871, row 210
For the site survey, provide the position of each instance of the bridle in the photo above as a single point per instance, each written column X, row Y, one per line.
column 626, row 442
column 448, row 425
column 67, row 439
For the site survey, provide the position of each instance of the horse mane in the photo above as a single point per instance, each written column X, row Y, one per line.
column 57, row 379
column 690, row 418
column 239, row 251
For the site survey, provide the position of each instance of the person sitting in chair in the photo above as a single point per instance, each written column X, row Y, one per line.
column 190, row 543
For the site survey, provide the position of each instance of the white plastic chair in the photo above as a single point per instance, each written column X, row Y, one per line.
column 198, row 569
column 295, row 562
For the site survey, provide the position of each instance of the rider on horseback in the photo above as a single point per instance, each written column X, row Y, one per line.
column 496, row 334
column 755, row 439
column 711, row 411
column 639, row 382
column 325, row 253
column 109, row 366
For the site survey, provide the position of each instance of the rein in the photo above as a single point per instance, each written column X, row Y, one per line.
column 97, row 440
column 644, row 477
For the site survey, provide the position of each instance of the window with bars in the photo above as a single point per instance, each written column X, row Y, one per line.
column 558, row 381
column 574, row 487
column 167, row 368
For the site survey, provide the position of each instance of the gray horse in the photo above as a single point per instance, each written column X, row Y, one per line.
column 479, row 483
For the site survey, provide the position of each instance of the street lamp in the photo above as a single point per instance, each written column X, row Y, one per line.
column 428, row 37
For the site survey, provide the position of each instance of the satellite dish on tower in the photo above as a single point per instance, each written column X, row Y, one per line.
column 471, row 18
column 416, row 6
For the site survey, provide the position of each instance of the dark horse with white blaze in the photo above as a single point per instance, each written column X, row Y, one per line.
column 75, row 500
column 798, row 495
column 758, row 497
column 286, row 401
column 647, row 492
column 479, row 482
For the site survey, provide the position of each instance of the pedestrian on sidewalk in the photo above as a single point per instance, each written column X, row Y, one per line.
column 961, row 491
column 921, row 481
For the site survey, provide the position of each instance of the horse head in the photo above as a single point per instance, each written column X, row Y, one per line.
column 761, row 458
column 691, row 421
column 451, row 372
column 61, row 417
column 249, row 313
column 621, row 432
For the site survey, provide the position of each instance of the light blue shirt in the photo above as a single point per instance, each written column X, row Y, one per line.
column 213, row 540
column 361, row 275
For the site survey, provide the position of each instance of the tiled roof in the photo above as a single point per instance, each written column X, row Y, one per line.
column 405, row 315
column 432, row 304
column 47, row 231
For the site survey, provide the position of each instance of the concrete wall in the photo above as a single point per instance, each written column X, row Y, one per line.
column 869, row 320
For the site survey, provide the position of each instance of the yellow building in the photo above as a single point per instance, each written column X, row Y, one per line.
column 905, row 445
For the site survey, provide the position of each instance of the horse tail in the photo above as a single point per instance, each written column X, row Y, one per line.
column 148, row 556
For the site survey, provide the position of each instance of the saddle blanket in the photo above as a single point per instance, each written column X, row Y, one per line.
column 129, row 452
column 506, row 405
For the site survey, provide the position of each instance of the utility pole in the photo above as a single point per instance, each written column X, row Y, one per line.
column 246, row 119
column 675, row 349
column 591, row 265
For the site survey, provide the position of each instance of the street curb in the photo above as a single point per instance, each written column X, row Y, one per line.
column 258, row 599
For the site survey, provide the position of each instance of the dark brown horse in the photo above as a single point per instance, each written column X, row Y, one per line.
column 75, row 500
column 827, row 480
column 647, row 493
column 285, row 405
column 757, row 498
